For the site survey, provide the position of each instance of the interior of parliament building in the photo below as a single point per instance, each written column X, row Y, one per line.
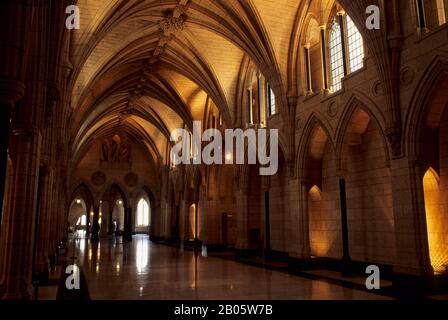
column 87, row 176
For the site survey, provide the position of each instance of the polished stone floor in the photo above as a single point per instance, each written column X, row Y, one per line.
column 143, row 270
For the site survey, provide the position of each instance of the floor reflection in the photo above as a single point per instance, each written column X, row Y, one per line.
column 141, row 252
column 143, row 270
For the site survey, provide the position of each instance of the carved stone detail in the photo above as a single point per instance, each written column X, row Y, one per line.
column 394, row 139
column 171, row 25
column 98, row 178
column 407, row 76
column 131, row 179
column 377, row 88
column 332, row 109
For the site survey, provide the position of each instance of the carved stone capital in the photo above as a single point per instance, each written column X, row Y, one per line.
column 394, row 139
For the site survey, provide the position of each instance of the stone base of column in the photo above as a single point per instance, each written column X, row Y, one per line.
column 23, row 293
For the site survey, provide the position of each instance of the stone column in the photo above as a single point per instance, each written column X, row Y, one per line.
column 298, row 226
column 108, row 209
column 5, row 127
column 411, row 235
column 304, row 220
column 203, row 209
column 346, row 260
column 53, row 241
column 105, row 219
column 242, row 241
column 127, row 224
column 183, row 220
column 43, row 243
column 14, row 22
column 95, row 224
column 18, row 223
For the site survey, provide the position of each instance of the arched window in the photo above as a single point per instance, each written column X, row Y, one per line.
column 261, row 102
column 82, row 221
column 143, row 213
column 272, row 107
column 431, row 13
column 346, row 49
column 355, row 46
column 336, row 57
column 441, row 11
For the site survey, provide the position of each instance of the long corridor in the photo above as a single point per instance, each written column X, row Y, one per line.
column 143, row 270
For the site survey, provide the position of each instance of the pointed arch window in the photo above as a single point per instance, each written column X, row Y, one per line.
column 346, row 49
column 336, row 57
column 355, row 46
column 143, row 213
column 431, row 14
column 272, row 106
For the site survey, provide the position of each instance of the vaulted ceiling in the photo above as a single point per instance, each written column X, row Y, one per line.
column 146, row 67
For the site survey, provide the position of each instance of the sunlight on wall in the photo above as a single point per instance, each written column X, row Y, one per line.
column 438, row 249
column 319, row 240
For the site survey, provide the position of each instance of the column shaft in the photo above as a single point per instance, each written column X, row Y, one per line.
column 18, row 223
column 5, row 127
column 344, row 225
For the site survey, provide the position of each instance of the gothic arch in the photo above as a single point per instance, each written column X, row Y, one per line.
column 295, row 56
column 152, row 199
column 114, row 191
column 358, row 102
column 314, row 121
column 83, row 191
column 436, row 71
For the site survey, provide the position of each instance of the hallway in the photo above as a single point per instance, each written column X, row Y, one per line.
column 143, row 270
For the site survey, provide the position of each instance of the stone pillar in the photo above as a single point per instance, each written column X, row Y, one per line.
column 95, row 224
column 183, row 222
column 17, row 234
column 164, row 220
column 14, row 20
column 43, row 243
column 298, row 225
column 108, row 210
column 127, row 224
column 5, row 127
column 53, row 241
column 411, row 236
column 242, row 241
column 304, row 220
column 105, row 219
column 155, row 221
column 203, row 209
column 344, row 226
